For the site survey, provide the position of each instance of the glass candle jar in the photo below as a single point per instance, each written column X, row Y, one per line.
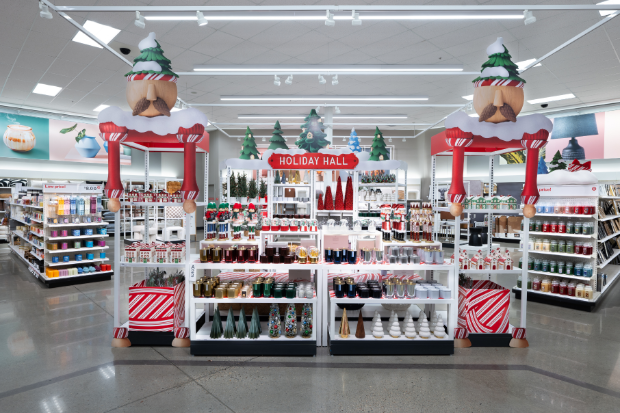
column 352, row 257
column 561, row 266
column 570, row 227
column 570, row 268
column 554, row 227
column 588, row 292
column 228, row 255
column 555, row 287
column 257, row 289
column 546, row 226
column 553, row 267
column 217, row 254
column 538, row 225
column 530, row 263
column 570, row 290
column 532, row 225
column 545, row 286
column 561, row 246
column 570, row 247
column 579, row 247
column 546, row 245
column 519, row 282
column 563, row 288
column 545, row 266
column 337, row 256
column 529, row 283
column 536, row 284
column 267, row 289
column 578, row 228
column 588, row 249
column 578, row 270
column 578, row 208
column 203, row 254
column 538, row 244
column 530, row 244
column 561, row 227
column 553, row 246
column 328, row 255
column 587, row 270
column 537, row 264
column 579, row 291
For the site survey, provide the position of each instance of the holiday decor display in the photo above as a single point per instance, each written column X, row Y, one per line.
column 320, row 206
column 354, row 141
column 542, row 166
column 328, row 203
column 425, row 331
column 348, row 195
column 276, row 178
column 575, row 166
column 252, row 189
column 344, row 325
column 216, row 326
column 255, row 328
column 360, row 332
column 242, row 187
column 339, row 201
column 274, row 321
column 409, row 326
column 378, row 151
column 242, row 327
column 306, row 321
column 439, row 330
column 377, row 329
column 230, row 330
column 262, row 190
column 290, row 322
column 312, row 137
column 248, row 147
column 498, row 98
column 557, row 162
column 277, row 141
column 395, row 328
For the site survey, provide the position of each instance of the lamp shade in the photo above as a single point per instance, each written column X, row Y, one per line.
column 574, row 126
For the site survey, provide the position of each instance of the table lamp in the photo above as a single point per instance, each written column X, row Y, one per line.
column 574, row 127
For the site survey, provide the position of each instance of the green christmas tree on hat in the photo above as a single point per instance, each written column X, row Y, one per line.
column 277, row 141
column 151, row 59
column 378, row 151
column 248, row 148
column 312, row 138
column 500, row 65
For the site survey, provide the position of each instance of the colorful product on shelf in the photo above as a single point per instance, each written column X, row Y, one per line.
column 161, row 253
column 492, row 262
column 494, row 202
column 566, row 206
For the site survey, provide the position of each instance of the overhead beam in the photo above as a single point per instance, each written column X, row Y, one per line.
column 329, row 104
column 324, row 72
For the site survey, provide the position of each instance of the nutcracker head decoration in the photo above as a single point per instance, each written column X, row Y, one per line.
column 151, row 84
column 498, row 93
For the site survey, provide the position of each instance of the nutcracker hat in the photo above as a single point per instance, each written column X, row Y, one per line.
column 151, row 64
column 211, row 205
column 251, row 206
column 222, row 205
column 237, row 205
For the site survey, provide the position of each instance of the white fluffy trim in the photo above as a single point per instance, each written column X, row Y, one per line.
column 505, row 131
column 145, row 66
column 564, row 177
column 496, row 47
column 160, row 125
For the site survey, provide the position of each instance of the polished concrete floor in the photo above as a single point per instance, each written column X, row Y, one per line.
column 55, row 357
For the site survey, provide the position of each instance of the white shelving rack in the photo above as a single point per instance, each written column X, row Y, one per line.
column 29, row 248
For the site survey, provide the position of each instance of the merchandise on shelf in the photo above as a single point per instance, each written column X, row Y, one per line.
column 274, row 321
column 242, row 327
column 494, row 202
column 563, row 206
column 154, row 252
column 494, row 261
column 360, row 331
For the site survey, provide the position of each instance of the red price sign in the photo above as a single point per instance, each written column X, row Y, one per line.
column 313, row 161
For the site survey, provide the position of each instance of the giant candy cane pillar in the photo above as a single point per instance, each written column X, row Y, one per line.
column 533, row 143
column 114, row 135
column 189, row 190
column 458, row 140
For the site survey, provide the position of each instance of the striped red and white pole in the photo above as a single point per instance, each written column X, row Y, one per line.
column 189, row 190
column 458, row 140
column 114, row 135
column 533, row 143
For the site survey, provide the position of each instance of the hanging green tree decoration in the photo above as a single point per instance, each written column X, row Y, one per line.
column 233, row 185
column 242, row 326
column 216, row 326
column 248, row 147
column 230, row 330
column 557, row 163
column 277, row 141
column 378, row 151
column 312, row 137
column 255, row 329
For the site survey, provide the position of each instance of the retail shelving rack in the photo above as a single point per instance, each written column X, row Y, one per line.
column 39, row 235
column 27, row 245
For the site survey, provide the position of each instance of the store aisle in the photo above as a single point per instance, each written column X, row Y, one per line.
column 55, row 357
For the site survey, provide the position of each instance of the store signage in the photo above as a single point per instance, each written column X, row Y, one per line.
column 72, row 188
column 313, row 161
column 567, row 190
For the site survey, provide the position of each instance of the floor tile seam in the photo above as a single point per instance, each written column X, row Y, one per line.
column 179, row 385
column 239, row 363
column 576, row 382
column 93, row 301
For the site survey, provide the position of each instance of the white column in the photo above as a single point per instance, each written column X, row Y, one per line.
column 328, row 118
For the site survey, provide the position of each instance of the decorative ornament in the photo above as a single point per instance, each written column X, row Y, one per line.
column 216, row 326
column 339, row 202
column 354, row 141
column 344, row 325
column 439, row 331
column 277, row 141
column 230, row 330
column 557, row 162
column 255, row 328
column 320, row 205
column 348, row 195
column 395, row 328
column 312, row 137
column 290, row 322
column 274, row 321
column 242, row 327
column 248, row 147
column 542, row 166
column 306, row 321
column 378, row 151
column 328, row 204
column 577, row 166
column 377, row 328
column 360, row 332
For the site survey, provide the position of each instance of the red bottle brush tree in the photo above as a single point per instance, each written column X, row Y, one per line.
column 319, row 206
column 329, row 200
column 339, row 202
column 348, row 195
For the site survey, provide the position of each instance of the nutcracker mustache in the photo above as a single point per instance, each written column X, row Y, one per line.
column 159, row 104
column 506, row 110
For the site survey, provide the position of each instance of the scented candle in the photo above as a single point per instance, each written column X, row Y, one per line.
column 554, row 227
column 546, row 245
column 328, row 255
column 538, row 244
column 588, row 249
column 569, row 268
column 568, row 207
column 545, row 266
column 579, row 291
column 530, row 263
column 560, row 267
column 578, row 270
column 536, row 284
column 538, row 226
column 570, row 289
column 561, row 246
column 553, row 246
column 563, row 288
column 529, row 283
column 570, row 247
column 555, row 287
column 578, row 247
column 546, row 226
column 519, row 282
column 553, row 267
column 578, row 209
column 587, row 270
column 558, row 208
column 570, row 227
column 228, row 255
column 578, row 228
column 561, row 227
column 545, row 286
column 537, row 265
column 588, row 292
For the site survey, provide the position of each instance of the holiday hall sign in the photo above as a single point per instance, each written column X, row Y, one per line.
column 313, row 161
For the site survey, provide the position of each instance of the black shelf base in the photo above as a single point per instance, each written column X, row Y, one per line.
column 151, row 338
column 249, row 347
column 356, row 347
column 558, row 301
column 62, row 282
column 490, row 340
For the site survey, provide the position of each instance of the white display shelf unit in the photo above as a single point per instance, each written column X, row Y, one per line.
column 563, row 235
column 596, row 295
column 610, row 259
column 561, row 254
column 31, row 267
column 152, row 265
column 555, row 275
column 76, row 250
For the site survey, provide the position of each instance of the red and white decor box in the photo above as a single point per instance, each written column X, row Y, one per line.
column 153, row 308
column 484, row 308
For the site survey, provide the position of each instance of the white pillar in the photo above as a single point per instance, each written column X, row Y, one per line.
column 328, row 118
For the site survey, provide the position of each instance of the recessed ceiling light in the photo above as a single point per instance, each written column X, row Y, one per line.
column 551, row 99
column 608, row 12
column 100, row 108
column 468, row 97
column 101, row 31
column 325, row 98
column 43, row 89
column 522, row 65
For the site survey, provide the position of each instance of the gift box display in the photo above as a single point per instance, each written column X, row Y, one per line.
column 483, row 307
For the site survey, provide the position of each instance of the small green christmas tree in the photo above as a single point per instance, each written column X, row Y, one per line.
column 378, row 152
column 248, row 148
column 312, row 137
column 277, row 141
column 499, row 57
column 242, row 187
column 276, row 178
column 306, row 321
column 255, row 328
column 216, row 327
column 290, row 321
column 233, row 186
column 262, row 191
column 252, row 189
column 556, row 162
column 242, row 327
column 230, row 330
column 274, row 321
column 152, row 52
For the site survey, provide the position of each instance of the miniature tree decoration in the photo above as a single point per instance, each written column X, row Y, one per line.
column 274, row 321
column 230, row 330
column 216, row 327
column 276, row 178
column 395, row 328
column 409, row 326
column 312, row 138
column 558, row 164
column 306, row 321
column 339, row 201
column 377, row 328
column 328, row 203
column 360, row 332
column 255, row 328
column 252, row 189
column 344, row 325
column 542, row 166
column 262, row 189
column 290, row 322
column 248, row 148
column 242, row 327
column 233, row 186
column 242, row 187
column 277, row 141
column 348, row 195
column 354, row 141
column 378, row 152
column 320, row 205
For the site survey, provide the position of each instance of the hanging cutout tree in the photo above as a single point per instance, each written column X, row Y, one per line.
column 312, row 138
column 248, row 147
column 378, row 152
column 339, row 201
column 354, row 141
column 557, row 163
column 348, row 195
column 277, row 141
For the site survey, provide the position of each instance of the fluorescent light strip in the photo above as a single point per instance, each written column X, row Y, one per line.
column 330, row 69
column 608, row 12
column 468, row 97
column 321, row 17
column 522, row 65
column 48, row 90
column 100, row 108
column 101, row 31
column 324, row 98
column 334, row 117
column 551, row 99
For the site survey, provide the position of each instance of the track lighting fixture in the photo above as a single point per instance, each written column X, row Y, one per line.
column 334, row 80
column 238, row 139
column 289, row 80
column 45, row 12
column 322, row 80
column 390, row 140
column 528, row 17
column 404, row 140
column 317, row 109
column 263, row 139
column 276, row 80
column 337, row 110
column 344, row 139
column 329, row 20
column 356, row 19
column 139, row 22
column 200, row 19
